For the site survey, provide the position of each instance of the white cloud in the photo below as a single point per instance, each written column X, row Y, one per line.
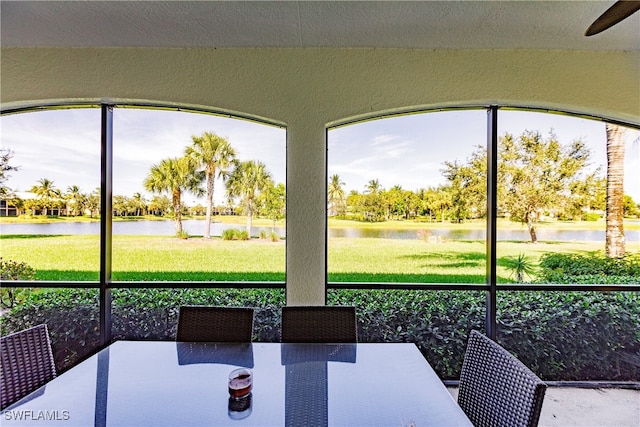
column 64, row 145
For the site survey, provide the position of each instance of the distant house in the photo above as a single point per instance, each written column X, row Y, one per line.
column 8, row 209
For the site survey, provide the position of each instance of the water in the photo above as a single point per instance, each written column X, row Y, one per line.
column 196, row 228
column 503, row 235
column 193, row 227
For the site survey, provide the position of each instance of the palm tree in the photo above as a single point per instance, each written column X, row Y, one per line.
column 614, row 246
column 139, row 204
column 216, row 155
column 174, row 176
column 74, row 199
column 93, row 202
column 159, row 205
column 372, row 187
column 442, row 200
column 374, row 203
column 247, row 181
column 5, row 168
column 46, row 192
column 520, row 267
column 335, row 194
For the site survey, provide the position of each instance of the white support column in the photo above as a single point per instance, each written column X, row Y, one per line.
column 306, row 212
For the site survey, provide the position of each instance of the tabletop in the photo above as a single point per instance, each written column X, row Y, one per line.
column 156, row 383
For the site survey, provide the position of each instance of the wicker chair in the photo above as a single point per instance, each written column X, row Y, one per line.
column 215, row 324
column 496, row 389
column 27, row 363
column 319, row 324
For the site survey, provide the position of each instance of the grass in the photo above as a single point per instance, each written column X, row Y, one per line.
column 161, row 258
column 77, row 258
column 386, row 260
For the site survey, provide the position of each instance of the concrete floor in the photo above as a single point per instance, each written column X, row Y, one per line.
column 604, row 407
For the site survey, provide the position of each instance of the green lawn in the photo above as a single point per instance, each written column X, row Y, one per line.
column 394, row 260
column 160, row 258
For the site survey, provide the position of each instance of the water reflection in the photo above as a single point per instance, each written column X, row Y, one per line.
column 307, row 380
column 196, row 228
column 193, row 227
column 439, row 235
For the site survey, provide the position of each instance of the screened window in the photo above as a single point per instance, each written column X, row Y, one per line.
column 51, row 193
column 406, row 199
column 552, row 199
column 196, row 197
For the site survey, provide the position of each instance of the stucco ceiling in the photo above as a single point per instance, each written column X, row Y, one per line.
column 480, row 24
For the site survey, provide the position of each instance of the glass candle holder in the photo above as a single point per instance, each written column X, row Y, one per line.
column 240, row 383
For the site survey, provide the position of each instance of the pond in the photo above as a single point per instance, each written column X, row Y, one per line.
column 445, row 234
column 196, row 228
column 193, row 227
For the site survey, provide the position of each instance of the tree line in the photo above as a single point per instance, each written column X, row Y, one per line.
column 249, row 187
column 211, row 157
column 537, row 177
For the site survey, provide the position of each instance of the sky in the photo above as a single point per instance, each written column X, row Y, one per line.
column 64, row 146
column 410, row 150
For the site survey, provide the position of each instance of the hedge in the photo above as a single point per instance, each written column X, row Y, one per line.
column 562, row 336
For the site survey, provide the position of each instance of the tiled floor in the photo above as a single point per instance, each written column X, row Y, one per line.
column 606, row 407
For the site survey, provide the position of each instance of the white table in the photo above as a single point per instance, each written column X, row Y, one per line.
column 151, row 383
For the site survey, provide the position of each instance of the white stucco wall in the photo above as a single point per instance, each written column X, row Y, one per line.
column 308, row 89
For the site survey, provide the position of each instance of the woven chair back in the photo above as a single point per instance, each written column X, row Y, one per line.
column 215, row 324
column 27, row 363
column 319, row 324
column 496, row 389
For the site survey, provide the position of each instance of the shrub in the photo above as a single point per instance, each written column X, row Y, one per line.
column 561, row 335
column 230, row 234
column 591, row 216
column 72, row 316
column 12, row 270
column 573, row 335
column 574, row 268
column 520, row 267
column 235, row 234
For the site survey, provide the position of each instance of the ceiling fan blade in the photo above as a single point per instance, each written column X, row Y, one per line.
column 616, row 13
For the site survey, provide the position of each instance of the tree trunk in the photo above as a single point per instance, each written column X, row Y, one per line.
column 177, row 212
column 615, row 246
column 249, row 216
column 207, row 228
column 532, row 229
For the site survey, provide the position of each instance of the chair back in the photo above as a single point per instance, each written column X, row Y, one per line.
column 496, row 389
column 319, row 324
column 215, row 324
column 27, row 363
